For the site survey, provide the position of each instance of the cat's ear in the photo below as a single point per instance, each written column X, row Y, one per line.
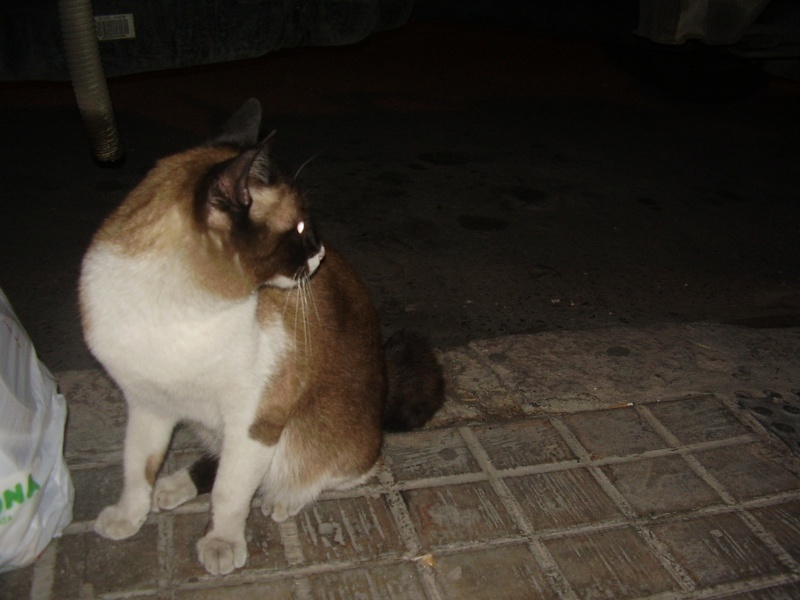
column 228, row 194
column 243, row 128
column 263, row 171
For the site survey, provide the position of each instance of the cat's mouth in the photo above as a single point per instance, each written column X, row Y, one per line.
column 303, row 273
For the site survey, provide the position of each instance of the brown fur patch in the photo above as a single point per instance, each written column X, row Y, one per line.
column 332, row 383
column 152, row 467
column 277, row 206
column 154, row 215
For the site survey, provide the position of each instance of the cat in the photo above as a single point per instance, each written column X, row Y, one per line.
column 210, row 299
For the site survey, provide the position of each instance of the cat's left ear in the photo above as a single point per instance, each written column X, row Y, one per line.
column 227, row 195
column 243, row 129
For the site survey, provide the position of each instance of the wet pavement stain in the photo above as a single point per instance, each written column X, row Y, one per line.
column 528, row 195
column 779, row 414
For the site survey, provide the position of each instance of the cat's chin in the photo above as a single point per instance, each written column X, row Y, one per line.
column 288, row 283
column 283, row 282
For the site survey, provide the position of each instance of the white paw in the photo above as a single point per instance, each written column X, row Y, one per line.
column 280, row 513
column 173, row 490
column 114, row 524
column 221, row 556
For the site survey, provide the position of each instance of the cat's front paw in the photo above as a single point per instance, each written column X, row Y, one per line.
column 113, row 523
column 173, row 490
column 221, row 556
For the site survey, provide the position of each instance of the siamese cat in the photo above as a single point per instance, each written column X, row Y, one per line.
column 210, row 299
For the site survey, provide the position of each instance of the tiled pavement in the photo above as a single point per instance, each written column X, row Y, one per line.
column 673, row 499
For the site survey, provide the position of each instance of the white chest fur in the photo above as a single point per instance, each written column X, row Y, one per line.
column 168, row 342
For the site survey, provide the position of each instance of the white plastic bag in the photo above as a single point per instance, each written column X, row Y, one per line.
column 36, row 492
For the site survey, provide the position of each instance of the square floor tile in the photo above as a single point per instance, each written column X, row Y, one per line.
column 783, row 522
column 718, row 549
column 695, row 420
column 458, row 513
column 612, row 564
column 348, row 529
column 97, row 414
column 507, row 572
column 523, row 444
column 94, row 490
column 87, row 560
column 264, row 548
column 17, row 583
column 388, row 582
column 562, row 499
column 660, row 485
column 748, row 470
column 424, row 454
column 619, row 432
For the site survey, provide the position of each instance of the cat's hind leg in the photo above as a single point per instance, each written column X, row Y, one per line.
column 280, row 511
column 281, row 501
column 146, row 439
column 177, row 488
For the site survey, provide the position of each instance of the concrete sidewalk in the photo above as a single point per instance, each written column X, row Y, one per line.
column 613, row 463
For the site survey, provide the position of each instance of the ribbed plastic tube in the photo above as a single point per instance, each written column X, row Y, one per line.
column 88, row 79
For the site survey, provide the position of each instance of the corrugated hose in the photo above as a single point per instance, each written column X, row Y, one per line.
column 88, row 80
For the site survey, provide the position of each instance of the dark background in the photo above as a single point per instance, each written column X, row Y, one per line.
column 486, row 176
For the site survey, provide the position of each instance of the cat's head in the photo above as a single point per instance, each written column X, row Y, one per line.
column 251, row 211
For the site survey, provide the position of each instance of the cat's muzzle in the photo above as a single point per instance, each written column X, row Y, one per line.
column 314, row 262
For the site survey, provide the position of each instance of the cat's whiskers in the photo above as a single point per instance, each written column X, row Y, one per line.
column 303, row 166
column 305, row 288
column 304, row 306
column 300, row 289
column 313, row 301
column 286, row 302
column 296, row 291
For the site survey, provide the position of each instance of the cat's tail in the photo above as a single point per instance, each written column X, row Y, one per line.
column 415, row 383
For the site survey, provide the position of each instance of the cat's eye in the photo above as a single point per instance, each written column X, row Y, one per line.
column 301, row 227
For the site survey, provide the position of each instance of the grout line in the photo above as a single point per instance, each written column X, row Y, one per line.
column 166, row 549
column 302, row 589
column 290, row 540
column 556, row 578
column 44, row 573
column 725, row 590
column 429, row 583
column 123, row 595
column 298, row 574
column 441, row 481
column 399, row 510
column 407, row 531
